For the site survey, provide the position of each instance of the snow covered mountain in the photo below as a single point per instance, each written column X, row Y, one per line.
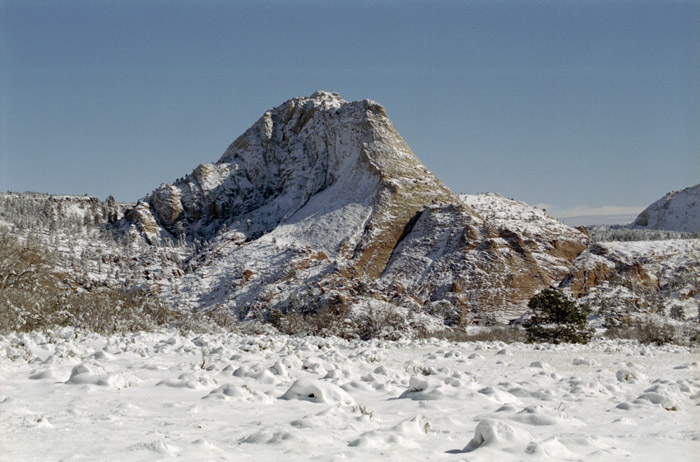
column 321, row 202
column 329, row 171
column 676, row 211
column 321, row 206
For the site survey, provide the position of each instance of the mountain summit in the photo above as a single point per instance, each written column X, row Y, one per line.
column 322, row 200
column 339, row 171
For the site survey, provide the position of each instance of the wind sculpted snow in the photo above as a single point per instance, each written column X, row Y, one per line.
column 68, row 395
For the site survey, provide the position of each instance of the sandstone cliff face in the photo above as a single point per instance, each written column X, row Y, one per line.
column 141, row 216
column 328, row 197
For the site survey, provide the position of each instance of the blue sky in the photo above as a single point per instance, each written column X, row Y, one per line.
column 579, row 105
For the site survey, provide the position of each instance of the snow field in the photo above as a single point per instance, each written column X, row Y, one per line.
column 73, row 396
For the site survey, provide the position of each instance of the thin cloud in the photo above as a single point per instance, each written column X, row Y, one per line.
column 585, row 210
column 586, row 215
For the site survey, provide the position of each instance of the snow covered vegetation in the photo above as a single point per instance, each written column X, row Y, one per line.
column 319, row 277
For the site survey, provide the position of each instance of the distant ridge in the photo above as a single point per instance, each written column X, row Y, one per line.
column 676, row 211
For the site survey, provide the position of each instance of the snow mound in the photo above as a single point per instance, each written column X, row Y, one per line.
column 497, row 434
column 42, row 375
column 87, row 374
column 498, row 395
column 540, row 415
column 436, row 388
column 159, row 447
column 188, row 405
column 231, row 392
column 317, row 391
column 258, row 374
column 405, row 435
column 187, row 380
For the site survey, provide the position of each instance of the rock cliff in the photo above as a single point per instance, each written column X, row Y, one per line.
column 321, row 200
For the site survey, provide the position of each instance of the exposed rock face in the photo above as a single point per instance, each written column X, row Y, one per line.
column 599, row 265
column 450, row 255
column 676, row 211
column 640, row 274
column 141, row 215
column 644, row 275
column 307, row 156
column 330, row 198
column 490, row 263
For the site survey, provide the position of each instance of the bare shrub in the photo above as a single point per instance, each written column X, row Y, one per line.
column 28, row 283
column 329, row 320
column 387, row 324
column 650, row 331
column 505, row 334
column 204, row 321
column 34, row 296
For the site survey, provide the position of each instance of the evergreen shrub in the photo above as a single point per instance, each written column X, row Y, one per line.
column 556, row 319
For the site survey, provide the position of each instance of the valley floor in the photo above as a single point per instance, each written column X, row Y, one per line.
column 164, row 396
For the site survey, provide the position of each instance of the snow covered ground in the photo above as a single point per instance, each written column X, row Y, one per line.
column 165, row 396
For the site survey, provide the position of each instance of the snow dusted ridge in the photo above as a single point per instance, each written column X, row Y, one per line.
column 489, row 263
column 321, row 197
column 676, row 211
column 642, row 276
column 310, row 157
column 322, row 205
column 517, row 216
column 66, row 395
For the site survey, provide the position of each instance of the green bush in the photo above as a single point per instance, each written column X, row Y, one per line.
column 677, row 312
column 555, row 319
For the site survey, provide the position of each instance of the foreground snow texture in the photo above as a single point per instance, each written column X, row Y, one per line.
column 227, row 397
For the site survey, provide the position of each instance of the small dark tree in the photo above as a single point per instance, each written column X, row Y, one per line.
column 677, row 313
column 556, row 319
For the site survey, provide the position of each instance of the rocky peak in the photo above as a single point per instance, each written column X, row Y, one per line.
column 322, row 196
column 676, row 211
column 307, row 156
